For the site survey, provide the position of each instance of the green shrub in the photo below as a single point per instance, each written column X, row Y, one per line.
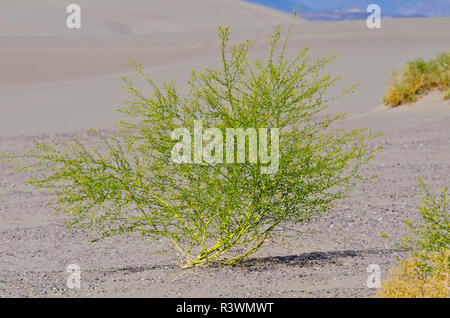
column 433, row 235
column 417, row 78
column 426, row 273
column 217, row 212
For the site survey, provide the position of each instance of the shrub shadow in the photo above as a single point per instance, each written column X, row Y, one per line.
column 313, row 258
column 301, row 260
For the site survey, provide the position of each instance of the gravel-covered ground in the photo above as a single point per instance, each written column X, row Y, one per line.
column 329, row 260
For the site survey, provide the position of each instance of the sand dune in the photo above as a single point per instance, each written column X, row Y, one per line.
column 106, row 17
column 37, row 48
column 56, row 79
column 55, row 83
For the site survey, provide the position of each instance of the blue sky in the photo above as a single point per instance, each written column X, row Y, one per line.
column 429, row 8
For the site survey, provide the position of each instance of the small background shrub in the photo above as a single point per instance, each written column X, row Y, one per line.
column 433, row 235
column 426, row 274
column 417, row 78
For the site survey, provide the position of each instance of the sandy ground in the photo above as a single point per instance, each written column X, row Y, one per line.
column 55, row 83
column 330, row 260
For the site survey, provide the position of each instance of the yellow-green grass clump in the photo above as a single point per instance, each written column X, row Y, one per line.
column 413, row 280
column 417, row 78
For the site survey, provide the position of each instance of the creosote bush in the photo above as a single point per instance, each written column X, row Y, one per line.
column 216, row 212
column 419, row 77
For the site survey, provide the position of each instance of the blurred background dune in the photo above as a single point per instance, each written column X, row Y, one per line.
column 58, row 79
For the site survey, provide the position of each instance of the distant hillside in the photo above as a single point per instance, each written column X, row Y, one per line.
column 328, row 10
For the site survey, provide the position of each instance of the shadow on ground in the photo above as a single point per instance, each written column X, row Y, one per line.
column 302, row 260
column 313, row 258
